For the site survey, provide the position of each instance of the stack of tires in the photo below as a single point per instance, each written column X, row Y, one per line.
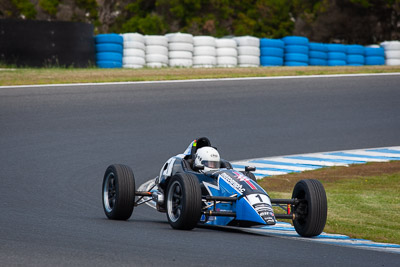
column 180, row 49
column 156, row 51
column 355, row 55
column 109, row 50
column 248, row 51
column 204, row 52
column 317, row 54
column 374, row 56
column 134, row 51
column 392, row 52
column 226, row 53
column 337, row 55
column 296, row 50
column 271, row 51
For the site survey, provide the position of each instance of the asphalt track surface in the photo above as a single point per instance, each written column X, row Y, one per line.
column 56, row 142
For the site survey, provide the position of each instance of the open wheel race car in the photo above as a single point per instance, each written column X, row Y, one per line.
column 191, row 192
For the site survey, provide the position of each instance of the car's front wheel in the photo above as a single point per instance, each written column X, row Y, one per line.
column 311, row 212
column 183, row 201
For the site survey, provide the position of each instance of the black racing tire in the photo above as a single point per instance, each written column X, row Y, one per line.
column 250, row 175
column 183, row 201
column 118, row 192
column 311, row 212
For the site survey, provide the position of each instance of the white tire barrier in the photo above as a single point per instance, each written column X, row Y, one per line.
column 158, row 40
column 248, row 51
column 156, row 51
column 134, row 50
column 225, row 43
column 227, row 53
column 186, row 63
column 135, row 37
column 134, row 44
column 392, row 62
column 180, row 54
column 296, row 51
column 180, row 47
column 156, row 58
column 247, row 41
column 204, row 41
column 109, row 50
column 207, row 61
column 204, row 52
column 248, row 61
column 227, row 62
column 392, row 52
column 179, row 38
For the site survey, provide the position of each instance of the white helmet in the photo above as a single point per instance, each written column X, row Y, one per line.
column 208, row 157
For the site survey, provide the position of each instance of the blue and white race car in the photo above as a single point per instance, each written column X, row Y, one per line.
column 198, row 187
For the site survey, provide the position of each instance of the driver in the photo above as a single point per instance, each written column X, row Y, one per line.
column 208, row 157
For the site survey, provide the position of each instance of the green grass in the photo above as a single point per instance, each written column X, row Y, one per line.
column 360, row 206
column 10, row 75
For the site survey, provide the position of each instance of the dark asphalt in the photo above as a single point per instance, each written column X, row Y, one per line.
column 56, row 142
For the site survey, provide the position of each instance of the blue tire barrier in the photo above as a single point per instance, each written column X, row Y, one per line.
column 336, row 48
column 295, row 40
column 296, row 57
column 109, row 47
column 109, row 56
column 355, row 60
column 374, row 60
column 271, row 51
column 374, row 52
column 296, row 50
column 264, row 42
column 109, row 38
column 271, row 61
column 318, row 54
column 301, row 49
column 295, row 64
column 317, row 62
column 355, row 49
column 337, row 63
column 336, row 56
column 109, row 64
column 109, row 50
column 317, row 47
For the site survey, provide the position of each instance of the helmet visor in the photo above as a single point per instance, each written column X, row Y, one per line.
column 211, row 164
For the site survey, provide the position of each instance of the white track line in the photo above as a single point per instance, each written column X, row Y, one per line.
column 203, row 80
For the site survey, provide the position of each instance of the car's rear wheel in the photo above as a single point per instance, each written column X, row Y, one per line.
column 183, row 201
column 118, row 192
column 311, row 212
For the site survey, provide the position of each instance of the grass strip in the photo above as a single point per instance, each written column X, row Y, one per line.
column 28, row 76
column 363, row 200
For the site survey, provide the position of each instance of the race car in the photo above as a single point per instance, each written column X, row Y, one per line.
column 198, row 187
